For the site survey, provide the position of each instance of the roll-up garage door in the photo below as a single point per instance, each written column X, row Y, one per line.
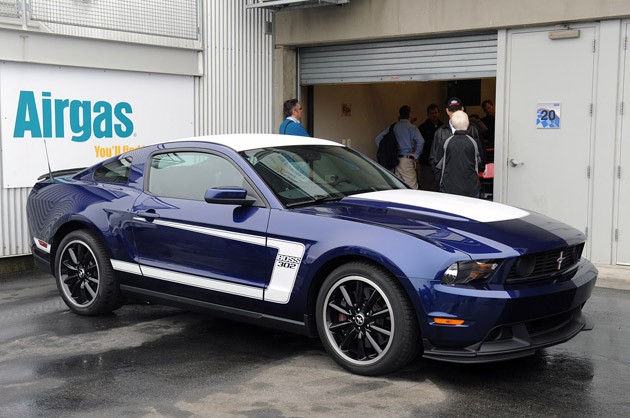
column 446, row 58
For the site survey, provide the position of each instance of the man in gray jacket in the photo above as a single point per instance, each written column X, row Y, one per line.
column 459, row 160
column 443, row 133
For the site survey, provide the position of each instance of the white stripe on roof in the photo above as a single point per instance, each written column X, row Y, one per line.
column 243, row 142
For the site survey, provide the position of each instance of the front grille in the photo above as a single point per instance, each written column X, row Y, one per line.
column 543, row 325
column 546, row 265
column 536, row 331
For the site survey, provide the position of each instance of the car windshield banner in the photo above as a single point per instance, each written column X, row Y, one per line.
column 83, row 116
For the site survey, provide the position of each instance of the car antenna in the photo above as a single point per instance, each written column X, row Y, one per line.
column 52, row 179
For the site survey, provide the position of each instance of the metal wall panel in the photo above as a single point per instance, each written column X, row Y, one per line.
column 10, row 9
column 446, row 58
column 233, row 96
column 235, row 93
column 14, row 236
column 171, row 23
column 169, row 18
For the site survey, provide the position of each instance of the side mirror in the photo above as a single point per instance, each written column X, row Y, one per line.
column 228, row 196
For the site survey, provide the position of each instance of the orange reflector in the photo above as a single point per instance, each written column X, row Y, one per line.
column 448, row 321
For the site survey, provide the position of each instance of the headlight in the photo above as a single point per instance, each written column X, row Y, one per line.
column 469, row 272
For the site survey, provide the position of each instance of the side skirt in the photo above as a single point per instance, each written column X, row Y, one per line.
column 42, row 260
column 243, row 315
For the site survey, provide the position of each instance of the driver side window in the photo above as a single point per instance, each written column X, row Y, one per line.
column 188, row 174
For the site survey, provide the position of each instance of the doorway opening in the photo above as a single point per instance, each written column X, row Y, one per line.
column 355, row 113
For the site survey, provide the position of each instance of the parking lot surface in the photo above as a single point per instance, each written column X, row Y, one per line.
column 155, row 361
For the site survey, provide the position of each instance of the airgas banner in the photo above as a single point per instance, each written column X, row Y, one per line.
column 82, row 116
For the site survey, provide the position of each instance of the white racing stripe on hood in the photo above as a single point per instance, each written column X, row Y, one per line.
column 476, row 209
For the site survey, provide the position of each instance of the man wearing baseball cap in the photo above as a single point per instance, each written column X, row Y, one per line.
column 444, row 132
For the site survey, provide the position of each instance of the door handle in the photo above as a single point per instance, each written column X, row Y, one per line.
column 146, row 214
column 514, row 162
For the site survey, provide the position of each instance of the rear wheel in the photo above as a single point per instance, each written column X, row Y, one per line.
column 85, row 277
column 365, row 320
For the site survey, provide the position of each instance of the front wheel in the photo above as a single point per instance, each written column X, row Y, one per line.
column 85, row 277
column 366, row 321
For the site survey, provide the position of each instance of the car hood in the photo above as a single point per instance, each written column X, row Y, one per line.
column 477, row 227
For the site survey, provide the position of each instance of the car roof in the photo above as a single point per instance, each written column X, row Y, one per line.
column 243, row 142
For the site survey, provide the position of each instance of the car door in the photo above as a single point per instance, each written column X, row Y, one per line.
column 188, row 247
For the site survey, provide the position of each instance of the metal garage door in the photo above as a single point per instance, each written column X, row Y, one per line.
column 446, row 58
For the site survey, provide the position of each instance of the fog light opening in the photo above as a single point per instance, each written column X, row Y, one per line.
column 501, row 333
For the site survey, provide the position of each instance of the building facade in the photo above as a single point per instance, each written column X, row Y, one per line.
column 82, row 81
column 558, row 73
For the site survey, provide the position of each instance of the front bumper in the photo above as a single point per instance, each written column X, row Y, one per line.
column 516, row 340
column 502, row 325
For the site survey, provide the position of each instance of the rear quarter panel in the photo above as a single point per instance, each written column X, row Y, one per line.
column 104, row 209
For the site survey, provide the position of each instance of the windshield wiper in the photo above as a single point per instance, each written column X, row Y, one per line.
column 315, row 200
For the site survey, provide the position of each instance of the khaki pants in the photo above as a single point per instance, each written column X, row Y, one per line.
column 406, row 170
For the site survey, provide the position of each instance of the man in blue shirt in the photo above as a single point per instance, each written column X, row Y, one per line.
column 410, row 144
column 293, row 115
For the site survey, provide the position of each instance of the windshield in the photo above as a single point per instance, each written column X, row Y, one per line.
column 306, row 174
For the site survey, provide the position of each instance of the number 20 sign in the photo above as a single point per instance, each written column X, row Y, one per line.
column 548, row 115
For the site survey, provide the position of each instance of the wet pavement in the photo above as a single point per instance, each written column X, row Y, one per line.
column 154, row 361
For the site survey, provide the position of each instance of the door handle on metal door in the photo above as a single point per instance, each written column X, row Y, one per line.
column 146, row 214
column 514, row 162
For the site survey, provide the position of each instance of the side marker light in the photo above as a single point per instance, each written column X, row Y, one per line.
column 448, row 321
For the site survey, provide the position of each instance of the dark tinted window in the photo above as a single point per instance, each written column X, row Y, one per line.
column 114, row 172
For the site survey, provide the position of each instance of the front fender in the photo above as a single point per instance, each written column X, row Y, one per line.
column 411, row 259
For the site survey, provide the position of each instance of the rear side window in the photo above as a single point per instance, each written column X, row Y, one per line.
column 114, row 172
column 187, row 174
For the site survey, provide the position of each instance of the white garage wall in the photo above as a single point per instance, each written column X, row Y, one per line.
column 585, row 164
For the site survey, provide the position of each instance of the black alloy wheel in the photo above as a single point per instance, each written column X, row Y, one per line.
column 78, row 273
column 85, row 277
column 365, row 320
column 358, row 319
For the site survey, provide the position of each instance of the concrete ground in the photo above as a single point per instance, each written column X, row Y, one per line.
column 613, row 277
column 156, row 361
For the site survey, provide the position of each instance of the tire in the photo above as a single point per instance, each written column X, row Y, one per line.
column 85, row 277
column 365, row 320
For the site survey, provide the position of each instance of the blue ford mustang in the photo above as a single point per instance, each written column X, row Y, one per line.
column 311, row 236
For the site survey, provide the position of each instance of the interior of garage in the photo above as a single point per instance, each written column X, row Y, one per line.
column 355, row 113
column 355, row 90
